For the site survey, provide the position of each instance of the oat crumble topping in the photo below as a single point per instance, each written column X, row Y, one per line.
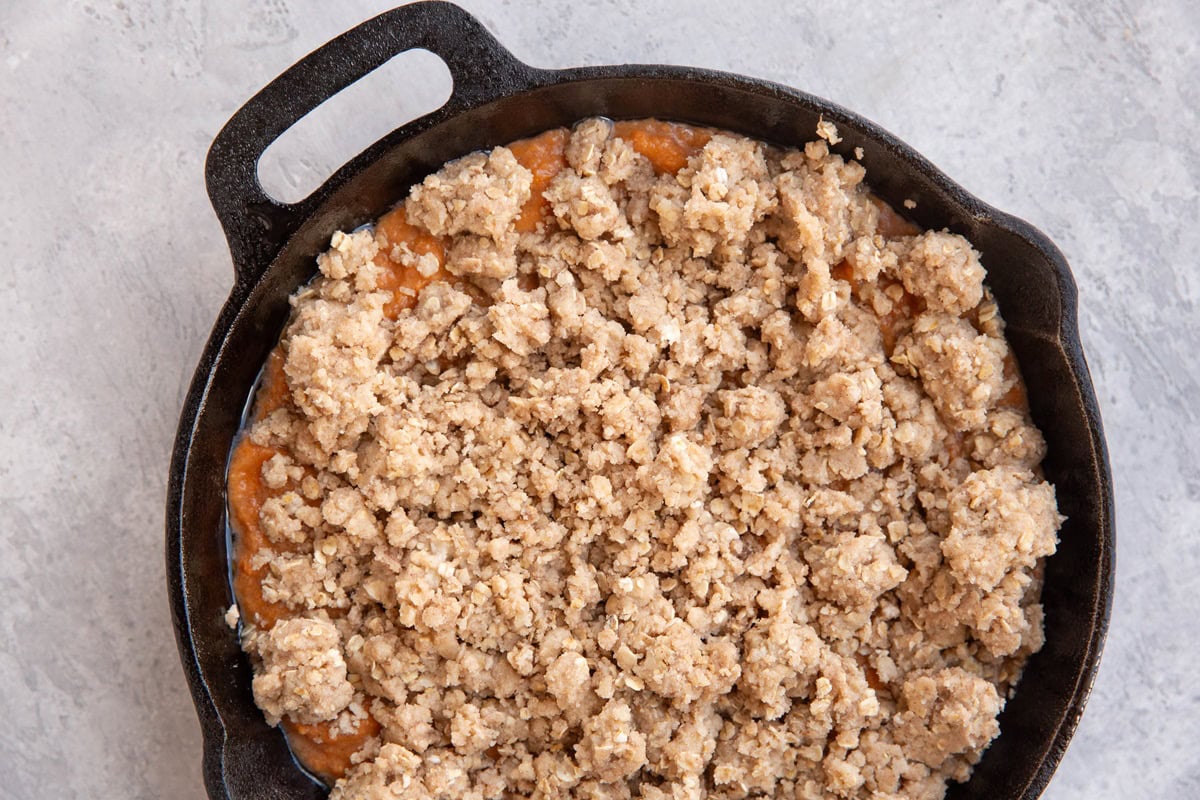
column 713, row 484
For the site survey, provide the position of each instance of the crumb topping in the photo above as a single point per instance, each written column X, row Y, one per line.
column 712, row 484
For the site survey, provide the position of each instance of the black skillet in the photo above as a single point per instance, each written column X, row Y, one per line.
column 497, row 99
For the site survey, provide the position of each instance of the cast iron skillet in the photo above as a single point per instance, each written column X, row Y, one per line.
column 495, row 100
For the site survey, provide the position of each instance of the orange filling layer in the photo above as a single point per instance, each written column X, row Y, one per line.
column 543, row 155
column 668, row 145
column 247, row 493
column 327, row 755
column 405, row 283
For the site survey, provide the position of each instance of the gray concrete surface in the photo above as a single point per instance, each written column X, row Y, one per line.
column 1079, row 116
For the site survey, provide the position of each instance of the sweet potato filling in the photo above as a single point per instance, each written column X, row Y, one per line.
column 641, row 460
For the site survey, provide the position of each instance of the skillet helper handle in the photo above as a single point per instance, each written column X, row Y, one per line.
column 255, row 224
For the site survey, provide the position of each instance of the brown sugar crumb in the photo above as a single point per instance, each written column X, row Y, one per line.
column 642, row 461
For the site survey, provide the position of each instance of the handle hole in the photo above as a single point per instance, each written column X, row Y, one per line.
column 408, row 86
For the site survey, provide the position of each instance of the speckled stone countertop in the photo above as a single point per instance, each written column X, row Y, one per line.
column 1078, row 116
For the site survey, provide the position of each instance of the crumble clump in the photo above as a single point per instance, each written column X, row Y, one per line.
column 303, row 672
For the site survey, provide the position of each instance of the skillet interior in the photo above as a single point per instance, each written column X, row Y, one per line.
column 245, row 759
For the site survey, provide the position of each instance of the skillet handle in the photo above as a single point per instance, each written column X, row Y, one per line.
column 256, row 225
